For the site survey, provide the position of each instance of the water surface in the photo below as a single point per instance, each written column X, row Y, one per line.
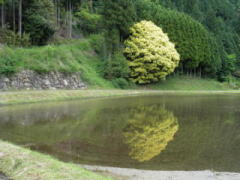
column 195, row 132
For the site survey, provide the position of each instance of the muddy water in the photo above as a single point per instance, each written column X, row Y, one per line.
column 178, row 132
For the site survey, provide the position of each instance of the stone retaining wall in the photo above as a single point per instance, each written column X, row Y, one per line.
column 28, row 79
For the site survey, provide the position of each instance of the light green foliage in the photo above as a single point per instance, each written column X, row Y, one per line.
column 149, row 131
column 196, row 46
column 150, row 53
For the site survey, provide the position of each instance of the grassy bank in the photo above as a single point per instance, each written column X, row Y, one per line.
column 77, row 56
column 18, row 97
column 193, row 84
column 22, row 164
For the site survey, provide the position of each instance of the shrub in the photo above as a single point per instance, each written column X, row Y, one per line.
column 237, row 74
column 150, row 54
column 9, row 61
column 97, row 42
column 10, row 38
column 120, row 83
column 116, row 67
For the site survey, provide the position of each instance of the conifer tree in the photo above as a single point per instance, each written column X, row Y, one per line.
column 39, row 21
column 193, row 41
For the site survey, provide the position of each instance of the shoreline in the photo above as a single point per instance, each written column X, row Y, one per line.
column 40, row 165
column 19, row 163
column 137, row 174
column 36, row 96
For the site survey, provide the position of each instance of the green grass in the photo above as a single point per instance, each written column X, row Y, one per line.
column 190, row 84
column 19, row 97
column 22, row 164
column 77, row 56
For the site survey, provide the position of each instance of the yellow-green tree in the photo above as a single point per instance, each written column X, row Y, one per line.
column 150, row 53
column 149, row 130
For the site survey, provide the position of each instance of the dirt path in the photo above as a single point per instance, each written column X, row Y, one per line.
column 135, row 174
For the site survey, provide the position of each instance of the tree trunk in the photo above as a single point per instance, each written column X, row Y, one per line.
column 2, row 15
column 55, row 10
column 90, row 2
column 14, row 16
column 70, row 19
column 20, row 18
column 56, row 4
column 182, row 69
column 58, row 13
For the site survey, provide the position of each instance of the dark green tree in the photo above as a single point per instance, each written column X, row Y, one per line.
column 39, row 20
column 118, row 17
column 196, row 46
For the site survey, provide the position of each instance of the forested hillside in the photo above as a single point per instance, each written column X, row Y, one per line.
column 221, row 18
column 205, row 34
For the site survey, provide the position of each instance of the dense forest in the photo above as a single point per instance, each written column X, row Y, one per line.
column 205, row 33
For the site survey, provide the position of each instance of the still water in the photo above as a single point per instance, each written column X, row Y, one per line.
column 195, row 132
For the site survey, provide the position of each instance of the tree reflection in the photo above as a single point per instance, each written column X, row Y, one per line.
column 149, row 130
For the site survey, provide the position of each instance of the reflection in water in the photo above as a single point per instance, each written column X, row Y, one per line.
column 105, row 131
column 149, row 130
